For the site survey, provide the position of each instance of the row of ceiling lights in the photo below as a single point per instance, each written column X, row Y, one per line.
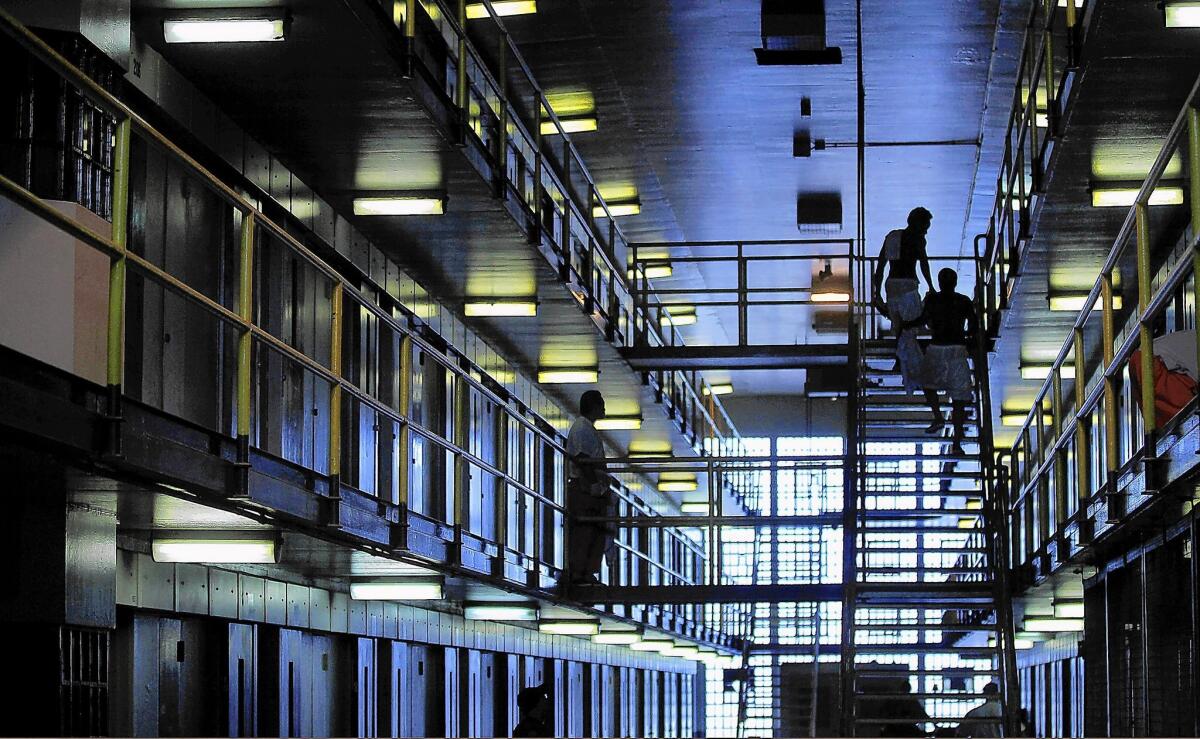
column 256, row 549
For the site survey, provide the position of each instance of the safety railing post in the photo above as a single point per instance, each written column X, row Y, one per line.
column 500, row 177
column 1193, row 134
column 337, row 295
column 1072, row 41
column 461, row 413
column 1060, row 454
column 743, row 297
column 1051, row 110
column 463, row 97
column 244, row 351
column 1083, row 446
column 115, row 370
column 1144, row 277
column 500, row 501
column 1111, row 438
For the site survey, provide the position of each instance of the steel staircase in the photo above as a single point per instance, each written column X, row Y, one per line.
column 927, row 620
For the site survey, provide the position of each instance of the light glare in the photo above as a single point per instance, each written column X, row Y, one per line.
column 217, row 551
column 399, row 206
column 503, row 8
column 224, row 30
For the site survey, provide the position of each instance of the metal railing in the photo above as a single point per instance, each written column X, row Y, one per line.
column 1074, row 448
column 506, row 481
column 1045, row 80
column 504, row 111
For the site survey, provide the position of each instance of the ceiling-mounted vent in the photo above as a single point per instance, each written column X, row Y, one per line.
column 793, row 32
column 819, row 212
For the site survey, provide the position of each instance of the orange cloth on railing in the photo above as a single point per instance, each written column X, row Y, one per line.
column 1172, row 389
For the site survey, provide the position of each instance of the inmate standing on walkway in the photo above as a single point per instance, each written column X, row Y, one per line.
column 588, row 493
column 902, row 250
column 952, row 321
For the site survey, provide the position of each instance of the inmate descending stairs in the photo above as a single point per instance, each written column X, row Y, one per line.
column 927, row 618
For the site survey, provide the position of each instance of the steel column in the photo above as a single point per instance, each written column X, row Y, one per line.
column 1083, row 467
column 1111, row 442
column 1147, row 336
column 246, row 311
column 1193, row 134
column 335, row 387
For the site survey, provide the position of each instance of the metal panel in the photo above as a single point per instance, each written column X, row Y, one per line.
column 252, row 598
column 223, row 593
column 241, row 677
column 391, row 618
column 297, row 605
column 417, row 709
column 356, row 617
column 275, row 611
column 191, row 588
column 156, row 584
column 394, row 705
column 374, row 618
column 452, row 691
column 127, row 578
column 339, row 604
column 318, row 609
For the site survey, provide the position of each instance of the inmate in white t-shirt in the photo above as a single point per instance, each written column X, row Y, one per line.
column 582, row 439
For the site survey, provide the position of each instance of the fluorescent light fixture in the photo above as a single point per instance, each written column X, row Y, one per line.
column 222, row 30
column 1124, row 197
column 1040, row 371
column 720, row 388
column 1041, row 120
column 631, row 208
column 414, row 588
column 1018, row 642
column 503, row 8
column 1017, row 418
column 682, row 651
column 625, row 638
column 570, row 628
column 1074, row 302
column 968, row 522
column 678, row 315
column 500, row 612
column 570, row 125
column 1045, row 623
column 1182, row 14
column 568, row 376
column 677, row 486
column 974, row 504
column 512, row 308
column 653, row 270
column 694, row 508
column 400, row 205
column 215, row 551
column 652, row 645
column 1063, row 3
column 831, row 297
column 619, row 423
column 1068, row 609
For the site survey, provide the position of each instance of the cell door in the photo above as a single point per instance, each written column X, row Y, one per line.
column 394, row 706
column 241, row 677
column 366, row 681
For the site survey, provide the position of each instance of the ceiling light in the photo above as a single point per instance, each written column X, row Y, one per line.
column 677, row 486
column 1041, row 120
column 568, row 376
column 720, row 388
column 570, row 125
column 415, row 588
column 222, row 30
column 400, row 205
column 500, row 612
column 682, row 651
column 619, row 423
column 1074, row 302
column 215, row 551
column 571, row 628
column 968, row 522
column 1040, row 371
column 502, row 308
column 1044, row 623
column 1124, row 197
column 1063, row 3
column 694, row 508
column 831, row 297
column 617, row 637
column 652, row 645
column 1017, row 418
column 630, row 208
column 1019, row 643
column 1182, row 14
column 678, row 315
column 503, row 8
column 1068, row 609
column 653, row 270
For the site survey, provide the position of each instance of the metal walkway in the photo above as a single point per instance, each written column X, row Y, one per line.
column 927, row 622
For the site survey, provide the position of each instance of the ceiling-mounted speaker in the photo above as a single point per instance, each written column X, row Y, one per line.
column 819, row 212
column 793, row 33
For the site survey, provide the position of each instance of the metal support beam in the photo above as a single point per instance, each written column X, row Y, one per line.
column 116, row 284
column 683, row 594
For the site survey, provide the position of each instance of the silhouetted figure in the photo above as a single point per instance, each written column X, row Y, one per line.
column 588, row 493
column 903, row 249
column 907, row 714
column 952, row 322
column 534, row 705
column 990, row 709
